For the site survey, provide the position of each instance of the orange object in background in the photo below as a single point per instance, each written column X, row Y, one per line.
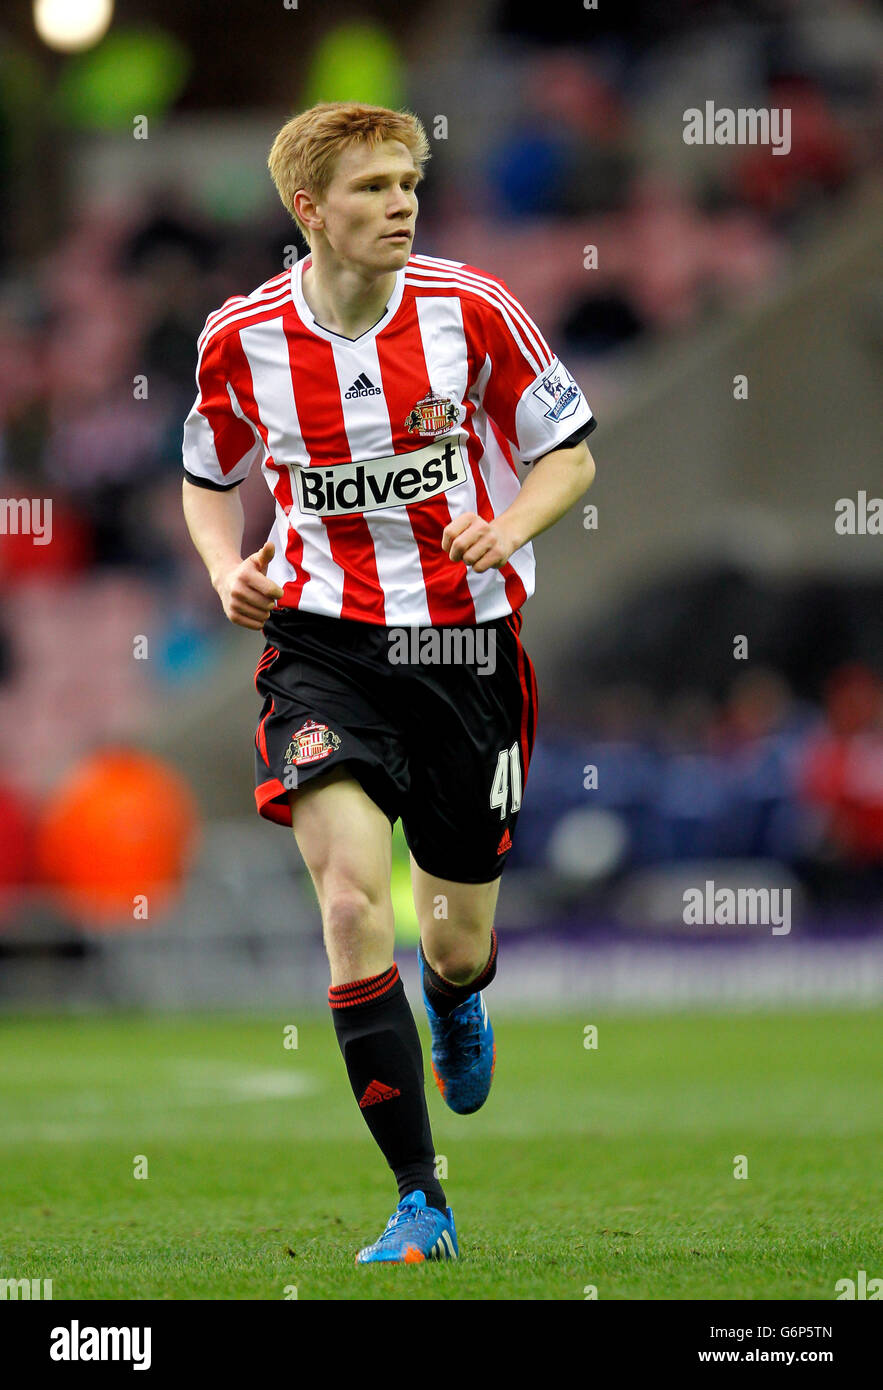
column 116, row 839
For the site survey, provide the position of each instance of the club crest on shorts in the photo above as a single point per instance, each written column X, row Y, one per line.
column 432, row 416
column 311, row 744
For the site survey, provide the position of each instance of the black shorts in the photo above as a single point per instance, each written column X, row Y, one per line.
column 437, row 724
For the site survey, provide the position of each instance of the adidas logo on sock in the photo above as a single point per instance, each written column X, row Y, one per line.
column 362, row 386
column 375, row 1092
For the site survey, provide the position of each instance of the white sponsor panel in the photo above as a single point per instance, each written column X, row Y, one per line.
column 395, row 481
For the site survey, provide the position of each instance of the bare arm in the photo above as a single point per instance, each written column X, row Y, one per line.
column 216, row 522
column 554, row 483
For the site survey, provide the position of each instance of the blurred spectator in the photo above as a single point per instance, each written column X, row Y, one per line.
column 757, row 774
column 600, row 323
column 817, row 166
column 566, row 155
column 843, row 769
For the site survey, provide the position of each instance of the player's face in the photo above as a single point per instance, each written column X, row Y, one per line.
column 370, row 206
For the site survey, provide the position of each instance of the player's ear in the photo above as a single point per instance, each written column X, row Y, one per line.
column 306, row 209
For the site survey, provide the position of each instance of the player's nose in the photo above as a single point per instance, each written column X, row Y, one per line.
column 399, row 205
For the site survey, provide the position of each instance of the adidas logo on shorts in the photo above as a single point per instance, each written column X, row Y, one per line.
column 362, row 386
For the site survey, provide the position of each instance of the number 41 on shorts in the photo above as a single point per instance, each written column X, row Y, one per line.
column 507, row 781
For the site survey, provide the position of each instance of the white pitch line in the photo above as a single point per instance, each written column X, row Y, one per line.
column 191, row 1086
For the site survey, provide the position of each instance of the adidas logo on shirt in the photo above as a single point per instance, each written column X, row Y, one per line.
column 362, row 386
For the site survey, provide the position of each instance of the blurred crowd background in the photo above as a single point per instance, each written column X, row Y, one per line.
column 554, row 129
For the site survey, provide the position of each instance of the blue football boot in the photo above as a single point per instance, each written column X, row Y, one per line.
column 464, row 1053
column 414, row 1233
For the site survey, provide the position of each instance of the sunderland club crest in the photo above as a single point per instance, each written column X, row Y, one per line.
column 311, row 744
column 432, row 416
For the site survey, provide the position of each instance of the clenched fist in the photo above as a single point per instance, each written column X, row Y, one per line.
column 245, row 591
column 482, row 544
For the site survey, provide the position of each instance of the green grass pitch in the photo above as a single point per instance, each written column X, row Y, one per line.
column 610, row 1167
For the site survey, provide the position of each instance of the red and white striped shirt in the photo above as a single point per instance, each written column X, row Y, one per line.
column 370, row 447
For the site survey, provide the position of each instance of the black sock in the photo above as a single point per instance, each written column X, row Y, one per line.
column 443, row 995
column 380, row 1044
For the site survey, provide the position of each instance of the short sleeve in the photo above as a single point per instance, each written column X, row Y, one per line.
column 525, row 389
column 220, row 444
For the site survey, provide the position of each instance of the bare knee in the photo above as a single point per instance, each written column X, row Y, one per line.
column 348, row 913
column 456, row 944
column 459, row 958
column 358, row 930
